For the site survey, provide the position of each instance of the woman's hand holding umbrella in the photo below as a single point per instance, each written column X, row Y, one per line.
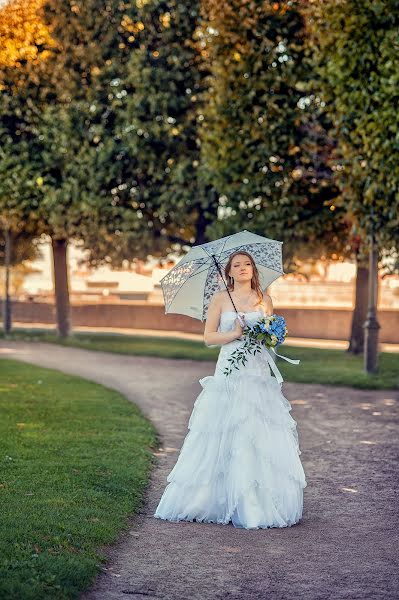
column 239, row 327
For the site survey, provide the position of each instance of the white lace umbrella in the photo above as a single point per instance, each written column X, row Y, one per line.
column 191, row 283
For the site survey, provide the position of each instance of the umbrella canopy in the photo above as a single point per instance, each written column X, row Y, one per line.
column 189, row 286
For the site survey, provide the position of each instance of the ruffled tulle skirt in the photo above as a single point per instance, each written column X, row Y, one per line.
column 240, row 459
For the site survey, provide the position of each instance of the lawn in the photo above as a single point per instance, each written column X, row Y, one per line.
column 75, row 460
column 335, row 367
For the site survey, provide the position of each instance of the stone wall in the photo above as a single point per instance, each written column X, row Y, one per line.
column 322, row 323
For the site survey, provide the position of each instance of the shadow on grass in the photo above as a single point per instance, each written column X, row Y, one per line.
column 324, row 366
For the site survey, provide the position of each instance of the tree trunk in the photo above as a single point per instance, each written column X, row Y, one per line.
column 61, row 288
column 7, row 299
column 356, row 343
column 206, row 219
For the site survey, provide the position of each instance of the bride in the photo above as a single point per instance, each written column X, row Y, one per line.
column 240, row 459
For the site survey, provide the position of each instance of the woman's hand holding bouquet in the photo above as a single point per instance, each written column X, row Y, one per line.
column 268, row 332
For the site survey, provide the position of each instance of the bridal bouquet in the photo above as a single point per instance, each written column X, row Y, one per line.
column 268, row 332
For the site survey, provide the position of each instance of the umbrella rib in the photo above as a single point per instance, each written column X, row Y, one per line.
column 199, row 272
column 185, row 281
column 194, row 261
column 224, row 244
column 203, row 297
column 259, row 261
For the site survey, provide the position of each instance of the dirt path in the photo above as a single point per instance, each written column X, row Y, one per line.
column 346, row 544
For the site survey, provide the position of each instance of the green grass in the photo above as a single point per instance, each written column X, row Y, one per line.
column 75, row 459
column 335, row 367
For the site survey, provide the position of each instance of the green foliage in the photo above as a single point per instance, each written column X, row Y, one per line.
column 161, row 182
column 357, row 52
column 53, row 110
column 18, row 194
column 23, row 247
column 75, row 459
column 324, row 366
column 146, row 127
column 122, row 159
column 266, row 142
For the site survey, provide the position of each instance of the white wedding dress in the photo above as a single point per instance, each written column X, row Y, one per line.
column 240, row 459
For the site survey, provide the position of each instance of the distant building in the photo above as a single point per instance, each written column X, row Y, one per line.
column 321, row 284
column 100, row 284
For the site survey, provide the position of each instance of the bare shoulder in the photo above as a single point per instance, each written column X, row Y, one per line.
column 268, row 302
column 220, row 300
column 219, row 296
column 217, row 299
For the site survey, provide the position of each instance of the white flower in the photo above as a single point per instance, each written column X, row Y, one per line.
column 274, row 338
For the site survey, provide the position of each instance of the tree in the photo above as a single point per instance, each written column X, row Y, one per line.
column 17, row 191
column 266, row 140
column 358, row 67
column 48, row 94
column 161, row 180
column 160, row 200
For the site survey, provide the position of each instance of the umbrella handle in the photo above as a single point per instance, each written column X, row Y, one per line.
column 241, row 320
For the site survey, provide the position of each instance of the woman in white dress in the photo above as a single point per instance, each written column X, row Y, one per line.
column 240, row 459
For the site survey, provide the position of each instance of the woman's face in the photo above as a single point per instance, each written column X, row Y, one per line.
column 241, row 268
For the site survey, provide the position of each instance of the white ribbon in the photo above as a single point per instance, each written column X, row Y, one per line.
column 274, row 367
column 295, row 361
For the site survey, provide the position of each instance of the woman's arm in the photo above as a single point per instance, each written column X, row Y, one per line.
column 212, row 337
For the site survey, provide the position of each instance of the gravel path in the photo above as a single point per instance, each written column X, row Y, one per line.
column 346, row 545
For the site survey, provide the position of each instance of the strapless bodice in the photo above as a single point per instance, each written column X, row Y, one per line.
column 257, row 364
column 228, row 317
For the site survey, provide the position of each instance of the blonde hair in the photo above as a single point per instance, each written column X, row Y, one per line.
column 255, row 285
